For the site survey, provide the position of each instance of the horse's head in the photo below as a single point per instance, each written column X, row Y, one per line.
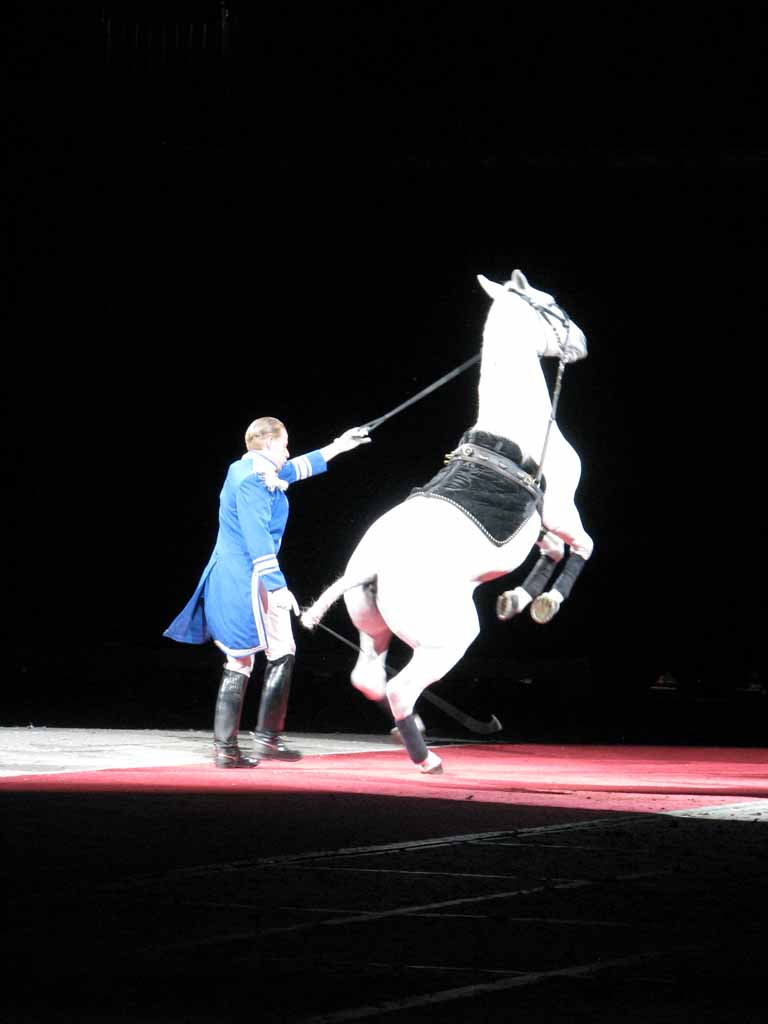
column 562, row 338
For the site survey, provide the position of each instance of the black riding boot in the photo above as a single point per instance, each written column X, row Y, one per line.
column 272, row 709
column 226, row 722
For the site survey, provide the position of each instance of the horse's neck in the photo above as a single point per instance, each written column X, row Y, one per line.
column 513, row 399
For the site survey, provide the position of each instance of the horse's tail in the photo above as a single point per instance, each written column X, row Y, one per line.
column 312, row 616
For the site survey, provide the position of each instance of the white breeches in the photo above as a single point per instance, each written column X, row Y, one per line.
column 279, row 628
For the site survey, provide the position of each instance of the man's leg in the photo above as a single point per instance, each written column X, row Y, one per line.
column 229, row 708
column 281, row 656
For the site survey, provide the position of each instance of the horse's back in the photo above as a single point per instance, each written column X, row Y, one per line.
column 424, row 540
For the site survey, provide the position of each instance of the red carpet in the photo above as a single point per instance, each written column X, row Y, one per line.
column 598, row 777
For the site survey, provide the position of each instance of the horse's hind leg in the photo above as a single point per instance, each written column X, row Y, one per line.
column 369, row 675
column 512, row 602
column 427, row 665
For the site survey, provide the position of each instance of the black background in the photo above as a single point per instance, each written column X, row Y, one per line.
column 288, row 220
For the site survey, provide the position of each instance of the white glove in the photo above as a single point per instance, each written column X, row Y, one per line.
column 345, row 442
column 352, row 438
column 285, row 600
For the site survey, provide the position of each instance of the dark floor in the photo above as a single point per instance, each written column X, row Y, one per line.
column 334, row 905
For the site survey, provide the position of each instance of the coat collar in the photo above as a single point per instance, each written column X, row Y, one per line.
column 258, row 456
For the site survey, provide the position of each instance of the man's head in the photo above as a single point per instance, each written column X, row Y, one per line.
column 268, row 435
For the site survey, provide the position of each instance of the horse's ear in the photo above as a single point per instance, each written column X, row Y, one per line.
column 490, row 287
column 519, row 280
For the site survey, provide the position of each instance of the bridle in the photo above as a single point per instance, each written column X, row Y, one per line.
column 549, row 313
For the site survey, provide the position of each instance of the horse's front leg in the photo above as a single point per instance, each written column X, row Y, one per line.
column 512, row 602
column 580, row 547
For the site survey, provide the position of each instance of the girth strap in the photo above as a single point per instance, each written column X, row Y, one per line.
column 505, row 467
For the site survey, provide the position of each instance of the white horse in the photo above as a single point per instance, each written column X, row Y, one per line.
column 414, row 572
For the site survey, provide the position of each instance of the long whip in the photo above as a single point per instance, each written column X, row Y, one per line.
column 473, row 724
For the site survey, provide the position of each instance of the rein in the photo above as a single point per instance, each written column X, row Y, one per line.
column 422, row 394
column 557, row 313
column 555, row 400
column 473, row 724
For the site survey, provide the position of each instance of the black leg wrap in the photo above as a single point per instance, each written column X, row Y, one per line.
column 537, row 579
column 226, row 721
column 395, row 733
column 272, row 710
column 413, row 738
column 569, row 574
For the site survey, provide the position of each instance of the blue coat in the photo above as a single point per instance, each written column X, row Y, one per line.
column 228, row 604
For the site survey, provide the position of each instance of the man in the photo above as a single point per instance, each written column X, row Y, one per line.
column 242, row 601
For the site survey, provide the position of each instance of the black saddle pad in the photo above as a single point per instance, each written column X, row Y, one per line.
column 495, row 504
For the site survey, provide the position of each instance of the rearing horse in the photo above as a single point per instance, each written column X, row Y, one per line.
column 415, row 569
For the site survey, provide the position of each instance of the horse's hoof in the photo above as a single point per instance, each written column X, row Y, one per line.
column 431, row 765
column 544, row 608
column 507, row 605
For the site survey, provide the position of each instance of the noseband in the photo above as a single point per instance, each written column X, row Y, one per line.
column 554, row 312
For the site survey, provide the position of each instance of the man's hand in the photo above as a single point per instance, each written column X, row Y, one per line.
column 285, row 600
column 350, row 439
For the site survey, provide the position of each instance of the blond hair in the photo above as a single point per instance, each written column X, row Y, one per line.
column 260, row 430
